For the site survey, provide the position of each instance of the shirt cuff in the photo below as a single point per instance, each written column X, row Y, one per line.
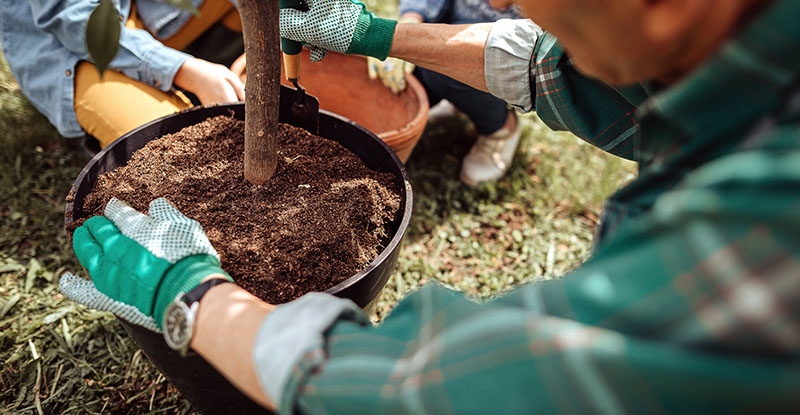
column 160, row 66
column 291, row 343
column 507, row 59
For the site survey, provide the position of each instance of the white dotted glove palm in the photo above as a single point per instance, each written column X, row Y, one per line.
column 339, row 25
column 392, row 72
column 84, row 292
column 139, row 263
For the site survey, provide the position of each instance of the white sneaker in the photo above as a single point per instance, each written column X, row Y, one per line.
column 441, row 111
column 491, row 155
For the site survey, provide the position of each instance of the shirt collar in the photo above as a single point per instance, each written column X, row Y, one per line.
column 745, row 80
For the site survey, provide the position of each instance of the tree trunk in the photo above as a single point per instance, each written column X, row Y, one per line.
column 262, row 91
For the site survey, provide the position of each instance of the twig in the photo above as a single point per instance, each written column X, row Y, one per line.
column 55, row 380
column 36, row 400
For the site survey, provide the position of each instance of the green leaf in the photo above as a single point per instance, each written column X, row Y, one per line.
column 102, row 34
column 33, row 269
column 11, row 267
column 184, row 5
column 10, row 302
column 57, row 315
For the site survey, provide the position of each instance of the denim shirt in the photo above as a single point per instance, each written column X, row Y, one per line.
column 457, row 11
column 43, row 40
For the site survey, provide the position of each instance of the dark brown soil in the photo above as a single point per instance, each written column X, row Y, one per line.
column 321, row 218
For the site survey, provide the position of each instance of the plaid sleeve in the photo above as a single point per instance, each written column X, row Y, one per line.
column 528, row 68
column 566, row 100
column 691, row 307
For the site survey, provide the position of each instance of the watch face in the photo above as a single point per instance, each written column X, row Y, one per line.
column 178, row 325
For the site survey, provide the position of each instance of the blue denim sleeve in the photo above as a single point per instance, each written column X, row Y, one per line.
column 434, row 11
column 140, row 57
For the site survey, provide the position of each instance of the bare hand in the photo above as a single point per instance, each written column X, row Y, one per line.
column 239, row 67
column 212, row 83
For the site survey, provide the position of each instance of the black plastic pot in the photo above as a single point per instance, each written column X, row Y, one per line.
column 195, row 378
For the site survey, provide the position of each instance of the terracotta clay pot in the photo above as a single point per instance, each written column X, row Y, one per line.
column 342, row 85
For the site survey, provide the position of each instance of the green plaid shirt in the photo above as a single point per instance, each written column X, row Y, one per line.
column 690, row 302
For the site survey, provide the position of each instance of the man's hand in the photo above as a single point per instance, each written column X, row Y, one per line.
column 141, row 261
column 339, row 25
column 392, row 72
column 212, row 83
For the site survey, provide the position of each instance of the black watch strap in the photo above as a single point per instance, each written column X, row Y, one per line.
column 195, row 294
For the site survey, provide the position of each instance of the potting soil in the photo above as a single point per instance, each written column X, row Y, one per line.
column 321, row 218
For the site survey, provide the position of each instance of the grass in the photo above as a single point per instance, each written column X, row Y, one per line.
column 55, row 356
column 58, row 357
column 535, row 224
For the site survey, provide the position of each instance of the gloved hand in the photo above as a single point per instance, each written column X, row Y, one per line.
column 339, row 25
column 139, row 263
column 391, row 71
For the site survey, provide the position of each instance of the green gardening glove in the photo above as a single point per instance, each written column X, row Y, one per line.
column 141, row 260
column 339, row 25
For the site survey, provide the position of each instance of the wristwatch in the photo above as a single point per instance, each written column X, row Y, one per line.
column 180, row 315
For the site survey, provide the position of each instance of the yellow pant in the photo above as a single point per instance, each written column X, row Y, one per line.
column 110, row 107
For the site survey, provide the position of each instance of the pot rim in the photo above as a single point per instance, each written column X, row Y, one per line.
column 402, row 227
column 417, row 122
column 420, row 119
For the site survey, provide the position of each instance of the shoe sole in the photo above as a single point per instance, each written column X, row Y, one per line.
column 467, row 181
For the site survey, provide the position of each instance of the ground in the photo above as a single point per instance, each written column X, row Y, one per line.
column 57, row 357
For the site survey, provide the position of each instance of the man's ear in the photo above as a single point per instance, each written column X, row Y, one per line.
column 666, row 20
